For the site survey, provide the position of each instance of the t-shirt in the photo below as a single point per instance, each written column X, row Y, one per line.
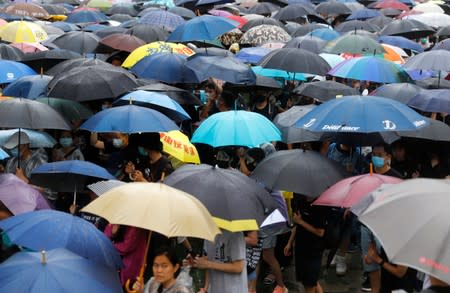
column 37, row 158
column 393, row 173
column 228, row 247
column 152, row 286
column 253, row 255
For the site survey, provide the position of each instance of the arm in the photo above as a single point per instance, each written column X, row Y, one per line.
column 234, row 267
column 95, row 142
column 297, row 218
column 396, row 270
column 288, row 247
column 252, row 238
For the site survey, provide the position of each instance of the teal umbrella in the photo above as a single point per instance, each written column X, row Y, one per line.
column 71, row 110
column 354, row 44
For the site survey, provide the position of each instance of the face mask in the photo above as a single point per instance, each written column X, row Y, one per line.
column 142, row 151
column 65, row 141
column 203, row 96
column 117, row 142
column 377, row 162
column 14, row 152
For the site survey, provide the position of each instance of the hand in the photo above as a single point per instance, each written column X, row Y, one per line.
column 372, row 254
column 73, row 209
column 21, row 175
column 297, row 218
column 200, row 262
column 138, row 286
column 287, row 249
column 202, row 290
column 138, row 176
column 115, row 229
column 188, row 261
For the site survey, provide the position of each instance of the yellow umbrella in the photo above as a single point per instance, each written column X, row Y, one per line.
column 156, row 47
column 100, row 4
column 177, row 144
column 22, row 31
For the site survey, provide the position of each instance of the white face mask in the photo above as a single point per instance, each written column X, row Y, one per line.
column 117, row 142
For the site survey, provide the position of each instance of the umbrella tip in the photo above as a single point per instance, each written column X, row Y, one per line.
column 43, row 257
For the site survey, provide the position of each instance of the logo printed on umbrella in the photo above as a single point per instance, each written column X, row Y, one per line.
column 435, row 265
column 389, row 125
column 310, row 123
column 340, row 128
column 10, row 76
column 419, row 123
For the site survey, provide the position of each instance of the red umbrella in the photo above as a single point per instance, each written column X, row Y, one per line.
column 239, row 19
column 119, row 42
column 26, row 9
column 391, row 4
column 349, row 191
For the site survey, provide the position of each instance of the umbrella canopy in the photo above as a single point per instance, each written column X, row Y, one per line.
column 165, row 19
column 372, row 69
column 68, row 176
column 442, row 45
column 129, row 119
column 295, row 60
column 236, row 202
column 435, row 20
column 26, row 47
column 435, row 131
column 8, row 52
column 47, row 59
column 57, row 270
column 122, row 8
column 205, row 27
column 432, row 101
column 119, row 42
column 300, row 171
column 26, row 9
column 428, row 8
column 23, row 113
column 157, row 101
column 361, row 114
column 408, row 28
column 38, row 139
column 325, row 90
column 238, row 128
column 263, row 8
column 443, row 31
column 432, row 60
column 72, row 63
column 349, row 191
column 156, row 207
column 333, row 8
column 83, row 16
column 148, row 33
column 332, row 59
column 352, row 25
column 309, row 43
column 99, row 82
column 401, row 42
column 30, row 87
column 424, row 203
column 363, row 14
column 293, row 12
column 12, row 70
column 354, row 44
column 78, row 41
column 260, row 21
column 49, row 229
column 252, row 55
column 176, row 144
column 181, row 96
column 391, row 4
column 183, row 12
column 264, row 33
column 70, row 110
column 325, row 34
column 401, row 92
column 284, row 121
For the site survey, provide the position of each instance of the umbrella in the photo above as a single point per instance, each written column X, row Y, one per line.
column 72, row 63
column 300, row 171
column 236, row 202
column 361, row 114
column 372, row 69
column 119, row 42
column 408, row 28
column 57, row 270
column 78, row 41
column 295, row 60
column 109, row 31
column 229, row 69
column 263, row 8
column 49, row 229
column 325, row 90
column 54, row 9
column 363, row 14
column 47, row 59
column 83, row 16
column 252, row 55
column 70, row 110
column 129, row 119
column 424, row 203
column 29, row 47
column 260, row 21
column 332, row 59
column 442, row 45
column 401, row 92
column 183, row 97
column 431, row 101
column 26, row 9
column 23, row 113
column 99, row 82
column 156, row 47
column 264, row 33
column 65, row 26
column 157, row 101
column 3, row 154
column 8, row 52
column 428, row 8
column 122, row 8
column 431, row 60
column 305, row 29
column 354, row 44
column 435, row 20
column 391, row 4
column 352, row 25
column 30, row 87
column 176, row 144
column 401, row 42
column 183, row 12
column 38, row 139
column 284, row 121
column 443, row 32
column 293, row 12
column 435, row 131
column 325, row 34
column 236, row 128
column 309, row 43
column 165, row 19
column 277, row 73
column 333, row 8
column 148, row 33
column 205, row 27
column 350, row 191
column 433, row 83
column 12, row 70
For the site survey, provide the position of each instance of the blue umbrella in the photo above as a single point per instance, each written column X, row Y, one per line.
column 401, row 42
column 166, row 67
column 3, row 154
column 12, row 70
column 236, row 128
column 442, row 45
column 278, row 73
column 86, row 16
column 432, row 101
column 95, row 27
column 49, row 229
column 229, row 69
column 129, row 119
column 58, row 270
column 30, row 87
column 324, row 34
column 205, row 27
column 65, row 26
column 371, row 69
column 157, row 101
column 363, row 14
column 361, row 114
column 165, row 19
column 252, row 55
column 38, row 139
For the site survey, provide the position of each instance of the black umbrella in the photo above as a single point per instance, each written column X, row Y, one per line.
column 380, row 21
column 72, row 63
column 260, row 21
column 325, row 90
column 89, row 83
column 443, row 32
column 8, row 52
column 183, row 12
column 300, row 171
column 307, row 28
column 77, row 41
column 293, row 12
column 309, row 43
column 122, row 8
column 44, row 60
column 54, row 9
column 408, row 28
column 120, row 18
column 435, row 131
column 183, row 97
column 333, row 8
column 289, row 134
column 227, row 194
column 402, row 92
column 263, row 8
column 295, row 60
column 148, row 33
column 109, row 31
column 262, row 82
column 356, row 25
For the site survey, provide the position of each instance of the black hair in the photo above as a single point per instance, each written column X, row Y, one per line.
column 228, row 98
column 387, row 148
column 169, row 252
column 252, row 158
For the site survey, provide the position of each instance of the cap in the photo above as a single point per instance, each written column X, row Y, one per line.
column 13, row 141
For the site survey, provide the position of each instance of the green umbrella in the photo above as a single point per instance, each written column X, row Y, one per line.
column 71, row 110
column 354, row 44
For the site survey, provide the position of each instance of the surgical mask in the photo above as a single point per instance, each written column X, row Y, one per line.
column 117, row 142
column 14, row 152
column 142, row 151
column 377, row 162
column 203, row 96
column 66, row 141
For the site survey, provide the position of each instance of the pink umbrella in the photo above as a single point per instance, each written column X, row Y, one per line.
column 217, row 12
column 349, row 191
column 30, row 47
column 3, row 22
column 273, row 45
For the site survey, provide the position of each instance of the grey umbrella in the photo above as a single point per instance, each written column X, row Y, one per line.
column 408, row 28
column 227, row 194
column 333, row 8
column 325, row 90
column 412, row 221
column 148, row 33
column 435, row 131
column 437, row 60
column 72, row 63
column 8, row 52
column 260, row 21
column 402, row 92
column 433, row 83
column 301, row 171
column 352, row 25
column 309, row 43
column 289, row 134
column 77, row 41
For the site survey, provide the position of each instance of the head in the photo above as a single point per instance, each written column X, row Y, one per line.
column 252, row 158
column 165, row 265
column 212, row 90
column 381, row 156
column 116, row 61
column 119, row 140
column 149, row 144
column 18, row 144
column 225, row 101
column 398, row 151
column 66, row 139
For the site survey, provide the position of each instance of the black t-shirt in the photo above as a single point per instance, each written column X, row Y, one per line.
column 389, row 282
column 393, row 173
column 118, row 158
column 153, row 172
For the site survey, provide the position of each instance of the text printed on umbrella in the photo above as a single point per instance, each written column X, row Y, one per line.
column 435, row 265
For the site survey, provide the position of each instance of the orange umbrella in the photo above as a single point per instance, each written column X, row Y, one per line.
column 393, row 54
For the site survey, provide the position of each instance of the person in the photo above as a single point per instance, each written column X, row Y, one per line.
column 213, row 91
column 381, row 160
column 65, row 149
column 165, row 268
column 401, row 160
column 28, row 159
column 253, row 254
column 265, row 104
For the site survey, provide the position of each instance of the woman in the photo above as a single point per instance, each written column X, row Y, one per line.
column 66, row 150
column 165, row 267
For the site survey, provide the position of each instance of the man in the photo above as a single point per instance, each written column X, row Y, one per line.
column 381, row 160
column 19, row 146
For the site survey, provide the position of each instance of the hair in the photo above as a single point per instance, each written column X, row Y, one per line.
column 385, row 146
column 228, row 99
column 214, row 86
column 256, row 155
column 168, row 252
